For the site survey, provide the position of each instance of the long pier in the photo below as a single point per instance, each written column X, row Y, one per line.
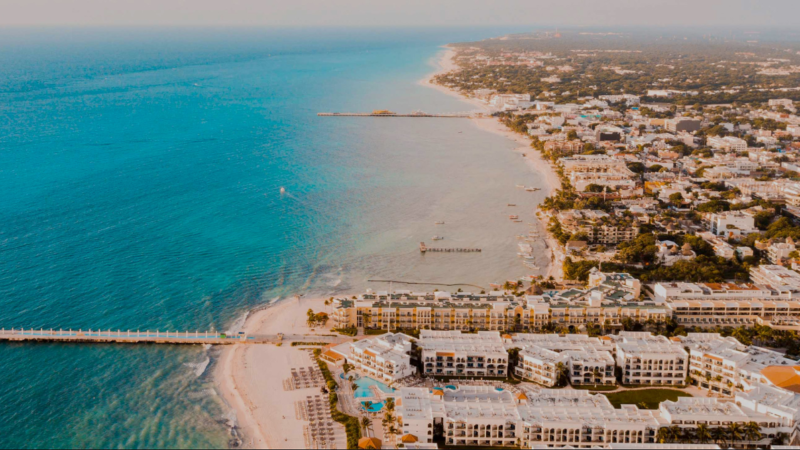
column 412, row 115
column 153, row 337
column 425, row 249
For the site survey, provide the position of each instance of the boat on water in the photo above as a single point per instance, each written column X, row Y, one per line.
column 440, row 223
column 512, row 217
column 521, row 186
column 495, row 286
column 283, row 190
column 437, row 238
column 531, row 266
column 512, row 204
column 525, row 248
column 522, row 237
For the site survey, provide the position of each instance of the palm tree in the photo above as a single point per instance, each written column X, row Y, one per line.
column 735, row 432
column 663, row 435
column 780, row 439
column 389, row 404
column 703, row 435
column 365, row 423
column 562, row 372
column 675, row 433
column 752, row 431
column 720, row 436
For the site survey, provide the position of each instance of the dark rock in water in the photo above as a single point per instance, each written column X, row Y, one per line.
column 235, row 443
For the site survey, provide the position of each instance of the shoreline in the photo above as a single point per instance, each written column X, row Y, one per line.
column 250, row 379
column 446, row 63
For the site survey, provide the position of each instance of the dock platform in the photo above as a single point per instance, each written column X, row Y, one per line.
column 425, row 249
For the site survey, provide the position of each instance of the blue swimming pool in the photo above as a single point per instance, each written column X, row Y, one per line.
column 375, row 407
column 364, row 390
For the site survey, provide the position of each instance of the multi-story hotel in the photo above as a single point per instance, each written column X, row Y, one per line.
column 484, row 416
column 585, row 360
column 451, row 353
column 691, row 412
column 386, row 358
column 601, row 170
column 729, row 304
column 598, row 226
column 725, row 366
column 645, row 359
column 612, row 299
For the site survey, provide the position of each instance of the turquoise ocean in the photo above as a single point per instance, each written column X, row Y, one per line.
column 140, row 174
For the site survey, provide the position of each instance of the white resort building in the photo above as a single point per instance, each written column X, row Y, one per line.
column 585, row 360
column 451, row 353
column 645, row 359
column 385, row 358
column 486, row 416
column 725, row 366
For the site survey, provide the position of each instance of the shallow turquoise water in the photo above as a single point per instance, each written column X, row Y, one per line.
column 141, row 175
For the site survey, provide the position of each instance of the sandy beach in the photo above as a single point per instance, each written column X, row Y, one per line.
column 250, row 377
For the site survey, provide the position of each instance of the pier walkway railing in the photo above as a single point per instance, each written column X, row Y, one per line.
column 153, row 337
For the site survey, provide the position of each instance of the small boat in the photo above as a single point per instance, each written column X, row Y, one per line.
column 525, row 248
column 283, row 190
column 532, row 266
column 512, row 204
column 437, row 238
column 517, row 221
column 522, row 237
column 439, row 223
column 530, row 189
column 495, row 286
column 521, row 186
column 513, row 217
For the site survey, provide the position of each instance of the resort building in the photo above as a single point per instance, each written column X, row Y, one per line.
column 782, row 407
column 729, row 143
column 599, row 226
column 583, row 359
column 645, row 359
column 385, row 358
column 585, row 170
column 779, row 276
column 724, row 249
column 690, row 412
column 725, row 366
column 779, row 251
column 451, row 353
column 487, row 417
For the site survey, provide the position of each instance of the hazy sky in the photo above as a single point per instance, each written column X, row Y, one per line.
column 399, row 12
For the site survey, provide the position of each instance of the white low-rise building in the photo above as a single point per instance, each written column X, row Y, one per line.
column 584, row 360
column 645, row 359
column 726, row 366
column 778, row 276
column 386, row 358
column 732, row 223
column 453, row 353
column 729, row 143
column 484, row 416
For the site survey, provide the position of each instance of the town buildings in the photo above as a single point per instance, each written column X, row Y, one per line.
column 600, row 170
column 598, row 226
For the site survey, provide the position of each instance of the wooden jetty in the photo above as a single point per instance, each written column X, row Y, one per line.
column 152, row 337
column 425, row 249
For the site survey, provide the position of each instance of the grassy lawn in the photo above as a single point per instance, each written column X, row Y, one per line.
column 650, row 397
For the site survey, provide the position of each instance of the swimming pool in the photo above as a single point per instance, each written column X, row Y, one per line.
column 364, row 390
column 375, row 407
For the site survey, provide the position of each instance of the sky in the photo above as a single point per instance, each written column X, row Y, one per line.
column 400, row 13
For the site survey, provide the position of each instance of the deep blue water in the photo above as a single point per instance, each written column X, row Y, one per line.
column 140, row 173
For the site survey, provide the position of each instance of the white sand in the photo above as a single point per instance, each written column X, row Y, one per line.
column 250, row 377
